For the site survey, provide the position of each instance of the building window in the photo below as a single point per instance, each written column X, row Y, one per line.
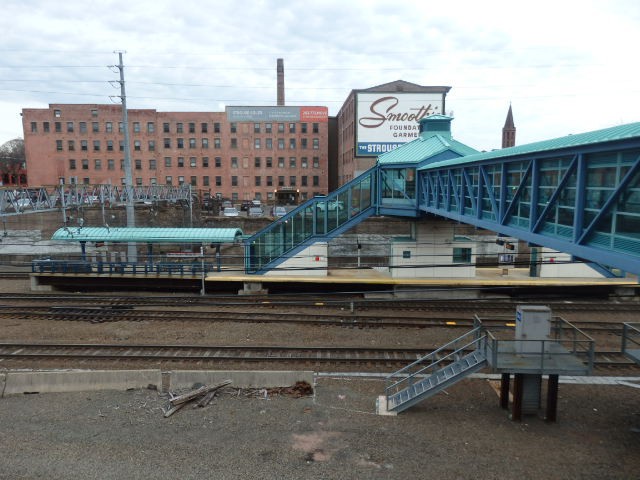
column 204, row 129
column 151, row 128
column 316, row 144
column 194, row 179
column 71, row 145
column 234, row 143
column 72, row 164
column 256, row 162
column 95, row 127
column 138, row 164
column 137, row 145
column 84, row 145
column 292, row 128
column 292, row 144
column 303, row 128
column 292, row 162
column 94, row 112
column 192, row 143
column 205, row 162
column 152, row 145
column 281, row 181
column 180, row 180
column 85, row 164
column 45, row 127
column 86, row 181
column 136, row 127
column 269, row 162
column 205, row 179
column 57, row 127
column 234, row 181
column 316, row 162
column 281, row 128
column 303, row 143
column 192, row 127
column 179, row 128
column 269, row 181
column 153, row 181
column 111, row 164
column 169, row 180
column 267, row 128
column 281, row 144
column 218, row 181
column 268, row 143
column 234, row 162
column 110, row 145
column 258, row 181
column 316, row 128
column 256, row 128
column 216, row 143
column 34, row 127
column 256, row 143
column 122, row 167
column 96, row 145
column 138, row 181
column 180, row 143
column 233, row 127
column 292, row 181
column 180, row 162
column 70, row 127
column 234, row 196
column 167, row 143
column 316, row 181
column 461, row 255
column 303, row 180
column 205, row 143
column 218, row 161
column 166, row 128
column 57, row 113
column 152, row 164
column 108, row 127
column 280, row 162
column 167, row 161
column 120, row 127
column 304, row 163
column 216, row 127
column 192, row 162
column 97, row 164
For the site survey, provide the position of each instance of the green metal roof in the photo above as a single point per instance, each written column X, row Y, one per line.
column 148, row 235
column 621, row 132
column 422, row 149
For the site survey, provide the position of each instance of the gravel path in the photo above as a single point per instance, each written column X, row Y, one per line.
column 333, row 435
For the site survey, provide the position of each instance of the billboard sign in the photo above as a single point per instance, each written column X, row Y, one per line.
column 387, row 120
column 277, row 114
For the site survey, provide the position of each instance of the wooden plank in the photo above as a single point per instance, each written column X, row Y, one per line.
column 197, row 393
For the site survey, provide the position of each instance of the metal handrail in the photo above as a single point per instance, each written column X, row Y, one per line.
column 630, row 331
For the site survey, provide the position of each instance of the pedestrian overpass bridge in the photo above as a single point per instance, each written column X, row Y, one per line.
column 578, row 194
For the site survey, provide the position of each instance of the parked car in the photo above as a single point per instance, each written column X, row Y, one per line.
column 255, row 211
column 227, row 204
column 278, row 212
column 256, row 203
column 246, row 205
column 230, row 212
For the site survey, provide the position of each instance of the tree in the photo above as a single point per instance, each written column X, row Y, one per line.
column 12, row 162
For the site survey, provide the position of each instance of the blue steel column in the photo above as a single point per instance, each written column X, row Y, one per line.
column 502, row 205
column 580, row 200
column 535, row 182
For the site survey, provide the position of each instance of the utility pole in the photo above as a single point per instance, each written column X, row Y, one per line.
column 132, row 254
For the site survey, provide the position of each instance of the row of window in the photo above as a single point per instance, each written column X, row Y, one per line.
column 193, row 163
column 269, row 181
column 166, row 127
column 180, row 143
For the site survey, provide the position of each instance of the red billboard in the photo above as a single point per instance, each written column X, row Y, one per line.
column 314, row 114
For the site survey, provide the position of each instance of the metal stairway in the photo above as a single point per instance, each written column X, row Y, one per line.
column 434, row 372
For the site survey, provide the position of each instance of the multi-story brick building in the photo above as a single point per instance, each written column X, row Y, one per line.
column 243, row 153
column 376, row 120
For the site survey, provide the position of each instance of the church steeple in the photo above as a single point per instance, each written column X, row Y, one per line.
column 509, row 131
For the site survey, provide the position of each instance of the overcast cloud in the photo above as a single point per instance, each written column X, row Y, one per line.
column 565, row 66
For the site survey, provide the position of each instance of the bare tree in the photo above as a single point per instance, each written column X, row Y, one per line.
column 12, row 161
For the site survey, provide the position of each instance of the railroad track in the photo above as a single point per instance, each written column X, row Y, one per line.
column 353, row 320
column 200, row 354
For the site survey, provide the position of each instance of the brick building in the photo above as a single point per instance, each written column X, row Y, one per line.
column 267, row 153
column 375, row 120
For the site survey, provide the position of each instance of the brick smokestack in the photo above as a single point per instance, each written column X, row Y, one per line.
column 280, row 82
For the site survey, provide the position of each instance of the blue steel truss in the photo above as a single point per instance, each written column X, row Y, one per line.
column 584, row 201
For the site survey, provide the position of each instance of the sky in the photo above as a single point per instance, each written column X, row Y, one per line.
column 564, row 66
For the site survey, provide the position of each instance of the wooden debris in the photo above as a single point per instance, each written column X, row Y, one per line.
column 197, row 393
column 173, row 410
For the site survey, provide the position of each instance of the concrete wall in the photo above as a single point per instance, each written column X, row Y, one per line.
column 312, row 261
column 557, row 264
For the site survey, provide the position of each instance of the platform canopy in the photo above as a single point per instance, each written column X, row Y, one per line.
column 148, row 235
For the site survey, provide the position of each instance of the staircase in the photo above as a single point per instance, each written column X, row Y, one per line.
column 434, row 372
column 318, row 219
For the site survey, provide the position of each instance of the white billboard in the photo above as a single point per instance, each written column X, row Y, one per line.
column 387, row 120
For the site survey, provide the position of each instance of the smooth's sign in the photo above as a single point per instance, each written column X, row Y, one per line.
column 387, row 120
